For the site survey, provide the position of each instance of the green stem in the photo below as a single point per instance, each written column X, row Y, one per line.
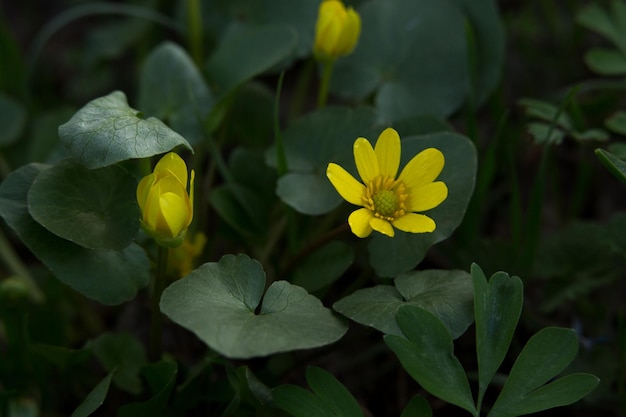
column 194, row 23
column 327, row 73
column 281, row 158
column 156, row 324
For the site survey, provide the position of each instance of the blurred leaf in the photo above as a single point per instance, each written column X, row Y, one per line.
column 617, row 122
column 393, row 256
column 108, row 277
column 390, row 59
column 329, row 397
column 106, row 131
column 544, row 133
column 312, row 142
column 219, row 302
column 247, row 51
column 617, row 232
column 427, row 355
column 61, row 357
column 254, row 104
column 161, row 377
column 23, row 407
column 44, row 144
column 324, row 266
column 172, row 89
column 595, row 135
column 497, row 308
column 96, row 209
column 445, row 294
column 546, row 111
column 13, row 118
column 110, row 39
column 545, row 355
column 607, row 62
column 417, row 407
column 609, row 23
column 614, row 164
column 123, row 354
column 95, row 398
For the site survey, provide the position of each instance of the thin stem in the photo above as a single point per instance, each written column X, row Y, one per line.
column 327, row 73
column 156, row 324
column 281, row 158
column 194, row 20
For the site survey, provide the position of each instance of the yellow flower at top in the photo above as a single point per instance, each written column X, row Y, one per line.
column 337, row 30
column 166, row 206
column 389, row 200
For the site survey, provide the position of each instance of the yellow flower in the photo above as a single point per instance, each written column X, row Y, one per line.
column 166, row 207
column 385, row 199
column 337, row 30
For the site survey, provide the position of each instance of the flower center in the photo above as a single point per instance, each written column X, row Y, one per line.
column 386, row 197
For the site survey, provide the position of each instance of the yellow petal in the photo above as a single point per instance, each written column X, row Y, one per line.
column 414, row 223
column 172, row 164
column 328, row 28
column 427, row 197
column 359, row 221
column 382, row 226
column 423, row 168
column 365, row 159
column 387, row 151
column 346, row 185
column 174, row 214
column 352, row 31
column 143, row 189
column 191, row 192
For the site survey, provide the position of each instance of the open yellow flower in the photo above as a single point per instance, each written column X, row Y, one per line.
column 337, row 30
column 166, row 207
column 388, row 201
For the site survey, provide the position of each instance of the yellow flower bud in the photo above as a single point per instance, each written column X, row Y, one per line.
column 337, row 30
column 166, row 206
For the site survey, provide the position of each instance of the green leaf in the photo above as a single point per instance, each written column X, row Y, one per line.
column 12, row 119
column 546, row 354
column 109, row 277
column 393, row 256
column 161, row 377
column 497, row 308
column 332, row 393
column 609, row 23
column 417, row 407
column 312, row 142
column 96, row 209
column 61, row 357
column 106, row 131
column 95, row 398
column 248, row 51
column 616, row 166
column 427, row 355
column 546, row 111
column 324, row 266
column 172, row 89
column 123, row 354
column 299, row 402
column 607, row 62
column 390, row 58
column 218, row 302
column 445, row 294
column 617, row 122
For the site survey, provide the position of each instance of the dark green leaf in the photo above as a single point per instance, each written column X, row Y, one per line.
column 96, row 209
column 324, row 266
column 124, row 354
column 332, row 393
column 609, row 62
column 95, row 398
column 617, row 122
column 106, row 131
column 161, row 377
column 428, row 356
column 299, row 402
column 417, row 407
column 12, row 119
column 218, row 302
column 106, row 276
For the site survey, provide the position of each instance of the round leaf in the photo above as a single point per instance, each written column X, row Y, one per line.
column 106, row 131
column 109, row 277
column 446, row 294
column 393, row 256
column 218, row 302
column 95, row 209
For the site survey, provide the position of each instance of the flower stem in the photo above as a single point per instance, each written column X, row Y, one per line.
column 156, row 324
column 194, row 23
column 327, row 73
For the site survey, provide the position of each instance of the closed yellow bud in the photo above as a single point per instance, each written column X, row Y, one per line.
column 337, row 30
column 166, row 206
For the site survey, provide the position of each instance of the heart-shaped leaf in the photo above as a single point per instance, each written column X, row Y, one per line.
column 427, row 355
column 96, row 209
column 446, row 294
column 106, row 131
column 110, row 277
column 218, row 302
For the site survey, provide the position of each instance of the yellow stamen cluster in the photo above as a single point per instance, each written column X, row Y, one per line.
column 386, row 198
